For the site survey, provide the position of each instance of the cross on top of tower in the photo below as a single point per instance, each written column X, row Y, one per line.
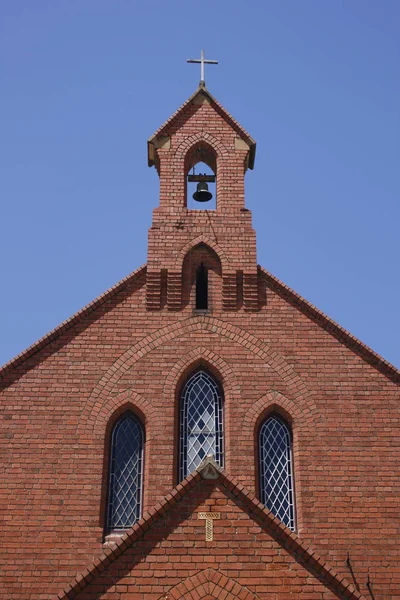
column 202, row 62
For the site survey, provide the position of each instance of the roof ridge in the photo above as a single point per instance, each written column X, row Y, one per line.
column 282, row 534
column 340, row 333
column 67, row 323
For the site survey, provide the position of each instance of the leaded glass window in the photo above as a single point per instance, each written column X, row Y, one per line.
column 201, row 422
column 276, row 470
column 126, row 467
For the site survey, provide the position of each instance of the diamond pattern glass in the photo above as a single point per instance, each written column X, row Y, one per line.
column 201, row 429
column 125, row 487
column 276, row 479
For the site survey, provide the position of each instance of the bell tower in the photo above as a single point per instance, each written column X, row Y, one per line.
column 203, row 259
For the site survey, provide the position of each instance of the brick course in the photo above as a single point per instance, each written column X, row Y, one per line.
column 133, row 347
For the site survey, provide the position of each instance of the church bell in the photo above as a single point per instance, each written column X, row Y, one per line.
column 202, row 194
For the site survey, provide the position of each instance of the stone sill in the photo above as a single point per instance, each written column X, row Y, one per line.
column 113, row 537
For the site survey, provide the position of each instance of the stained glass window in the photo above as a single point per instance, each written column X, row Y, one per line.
column 126, row 467
column 276, row 470
column 201, row 422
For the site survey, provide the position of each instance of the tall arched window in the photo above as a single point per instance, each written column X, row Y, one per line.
column 126, row 468
column 276, row 470
column 201, row 422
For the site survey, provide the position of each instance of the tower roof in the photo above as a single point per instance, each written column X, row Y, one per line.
column 202, row 91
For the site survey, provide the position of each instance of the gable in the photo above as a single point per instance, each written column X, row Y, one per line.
column 200, row 96
column 330, row 326
column 252, row 555
column 51, row 342
column 72, row 327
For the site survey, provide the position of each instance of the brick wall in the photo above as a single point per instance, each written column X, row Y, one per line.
column 242, row 561
column 58, row 412
column 270, row 354
column 176, row 230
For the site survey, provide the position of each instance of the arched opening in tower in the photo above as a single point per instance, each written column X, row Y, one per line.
column 200, row 168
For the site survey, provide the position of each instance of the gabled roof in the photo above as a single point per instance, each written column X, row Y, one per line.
column 328, row 324
column 272, row 525
column 202, row 90
column 341, row 334
column 58, row 331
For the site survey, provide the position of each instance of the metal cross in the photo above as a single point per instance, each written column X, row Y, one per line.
column 202, row 62
column 209, row 518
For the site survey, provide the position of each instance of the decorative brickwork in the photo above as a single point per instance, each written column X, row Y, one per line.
column 177, row 230
column 258, row 552
column 133, row 348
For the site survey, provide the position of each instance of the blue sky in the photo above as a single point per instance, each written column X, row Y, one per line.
column 86, row 82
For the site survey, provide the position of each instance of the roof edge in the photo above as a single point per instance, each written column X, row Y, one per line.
column 277, row 530
column 65, row 325
column 336, row 330
column 235, row 124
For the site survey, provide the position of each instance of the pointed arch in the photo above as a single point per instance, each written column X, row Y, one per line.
column 125, row 477
column 105, row 420
column 201, row 421
column 205, row 358
column 198, row 357
column 208, row 584
column 274, row 401
column 276, row 478
column 207, row 241
column 197, row 138
column 201, row 152
column 298, row 423
column 296, row 387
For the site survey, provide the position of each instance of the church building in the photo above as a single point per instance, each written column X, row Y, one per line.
column 200, row 431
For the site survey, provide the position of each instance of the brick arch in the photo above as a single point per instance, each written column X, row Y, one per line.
column 101, row 393
column 297, row 419
column 209, row 584
column 98, row 432
column 201, row 356
column 207, row 241
column 270, row 402
column 185, row 146
column 194, row 357
column 116, row 405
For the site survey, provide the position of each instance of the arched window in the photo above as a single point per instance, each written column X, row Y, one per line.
column 126, row 468
column 276, row 470
column 201, row 422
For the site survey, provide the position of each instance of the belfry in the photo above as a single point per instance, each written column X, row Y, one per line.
column 200, row 431
column 181, row 239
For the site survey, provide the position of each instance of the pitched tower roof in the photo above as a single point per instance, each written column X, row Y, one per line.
column 200, row 95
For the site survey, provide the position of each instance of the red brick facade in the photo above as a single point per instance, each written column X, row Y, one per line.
column 270, row 351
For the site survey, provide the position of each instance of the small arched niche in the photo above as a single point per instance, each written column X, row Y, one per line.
column 202, row 279
column 200, row 170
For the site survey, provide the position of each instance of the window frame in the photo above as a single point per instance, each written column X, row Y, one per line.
column 110, row 526
column 290, row 471
column 183, row 416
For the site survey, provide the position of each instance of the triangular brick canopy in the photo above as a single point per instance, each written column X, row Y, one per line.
column 183, row 501
column 198, row 94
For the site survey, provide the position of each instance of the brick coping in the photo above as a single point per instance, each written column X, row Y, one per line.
column 279, row 532
column 337, row 331
column 65, row 325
